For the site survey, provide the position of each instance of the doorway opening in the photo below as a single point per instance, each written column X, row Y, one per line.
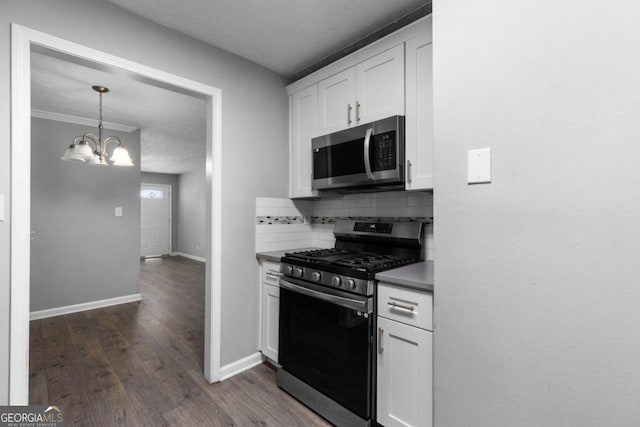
column 23, row 42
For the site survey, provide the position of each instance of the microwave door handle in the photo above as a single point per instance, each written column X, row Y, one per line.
column 367, row 159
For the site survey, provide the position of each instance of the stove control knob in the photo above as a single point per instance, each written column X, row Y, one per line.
column 316, row 276
column 351, row 284
column 298, row 272
column 336, row 281
column 288, row 270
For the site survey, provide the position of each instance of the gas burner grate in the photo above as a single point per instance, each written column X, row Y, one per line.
column 317, row 254
column 374, row 262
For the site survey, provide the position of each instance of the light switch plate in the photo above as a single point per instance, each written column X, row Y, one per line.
column 479, row 166
column 2, row 208
column 118, row 211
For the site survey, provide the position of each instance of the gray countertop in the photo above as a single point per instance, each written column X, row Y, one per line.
column 417, row 276
column 276, row 255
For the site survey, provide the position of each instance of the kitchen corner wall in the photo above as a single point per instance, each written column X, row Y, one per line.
column 288, row 224
column 537, row 289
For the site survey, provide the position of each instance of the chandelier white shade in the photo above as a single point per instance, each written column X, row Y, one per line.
column 81, row 148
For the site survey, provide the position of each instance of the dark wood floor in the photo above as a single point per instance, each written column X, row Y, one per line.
column 140, row 364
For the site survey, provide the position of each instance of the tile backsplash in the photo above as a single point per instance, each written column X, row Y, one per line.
column 288, row 224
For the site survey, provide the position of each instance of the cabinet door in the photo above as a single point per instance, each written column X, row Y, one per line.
column 405, row 371
column 337, row 101
column 270, row 321
column 304, row 126
column 380, row 86
column 419, row 114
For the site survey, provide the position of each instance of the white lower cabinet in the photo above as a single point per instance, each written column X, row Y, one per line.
column 270, row 309
column 270, row 321
column 404, row 361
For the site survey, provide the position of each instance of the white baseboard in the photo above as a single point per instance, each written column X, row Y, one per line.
column 59, row 311
column 193, row 257
column 227, row 371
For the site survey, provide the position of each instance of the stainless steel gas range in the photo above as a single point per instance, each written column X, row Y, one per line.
column 327, row 319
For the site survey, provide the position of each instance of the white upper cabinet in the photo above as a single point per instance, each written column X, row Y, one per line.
column 419, row 113
column 304, row 126
column 337, row 96
column 380, row 86
column 389, row 77
column 370, row 90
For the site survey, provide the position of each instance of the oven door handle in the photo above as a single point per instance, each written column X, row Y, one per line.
column 367, row 157
column 363, row 306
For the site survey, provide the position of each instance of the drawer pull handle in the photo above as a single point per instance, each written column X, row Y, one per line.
column 380, row 335
column 274, row 275
column 400, row 306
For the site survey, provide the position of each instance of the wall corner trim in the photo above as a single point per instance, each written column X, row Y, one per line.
column 193, row 257
column 75, row 308
column 234, row 368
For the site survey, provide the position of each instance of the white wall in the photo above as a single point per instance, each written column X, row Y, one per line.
column 191, row 213
column 537, row 296
column 80, row 251
column 254, row 136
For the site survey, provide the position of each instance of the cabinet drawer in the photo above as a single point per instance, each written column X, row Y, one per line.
column 406, row 306
column 270, row 272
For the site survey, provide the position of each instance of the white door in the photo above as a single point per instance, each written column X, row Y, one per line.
column 155, row 214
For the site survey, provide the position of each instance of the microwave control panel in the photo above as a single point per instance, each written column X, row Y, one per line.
column 384, row 155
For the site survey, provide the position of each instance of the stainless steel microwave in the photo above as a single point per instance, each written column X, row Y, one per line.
column 368, row 155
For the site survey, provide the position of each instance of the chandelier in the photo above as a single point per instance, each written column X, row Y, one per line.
column 80, row 150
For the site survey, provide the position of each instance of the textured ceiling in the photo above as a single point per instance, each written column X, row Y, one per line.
column 172, row 124
column 285, row 36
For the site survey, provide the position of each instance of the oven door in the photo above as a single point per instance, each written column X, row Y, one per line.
column 325, row 341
